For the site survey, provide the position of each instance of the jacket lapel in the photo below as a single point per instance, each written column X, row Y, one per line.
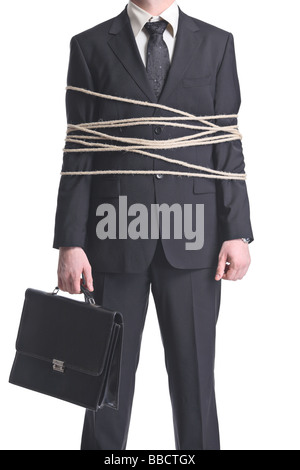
column 186, row 47
column 123, row 44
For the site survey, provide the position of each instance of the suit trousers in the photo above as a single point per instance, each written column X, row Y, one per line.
column 187, row 304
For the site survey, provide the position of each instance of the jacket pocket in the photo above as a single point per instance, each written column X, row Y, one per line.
column 204, row 185
column 196, row 82
column 108, row 187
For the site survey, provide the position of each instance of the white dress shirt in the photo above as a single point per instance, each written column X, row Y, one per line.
column 139, row 17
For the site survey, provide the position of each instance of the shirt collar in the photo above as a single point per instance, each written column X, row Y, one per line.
column 139, row 17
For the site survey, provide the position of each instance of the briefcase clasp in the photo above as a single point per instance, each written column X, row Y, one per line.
column 58, row 366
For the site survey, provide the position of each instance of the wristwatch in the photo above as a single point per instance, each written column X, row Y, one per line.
column 246, row 240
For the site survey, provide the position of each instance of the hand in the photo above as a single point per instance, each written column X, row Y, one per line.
column 237, row 254
column 73, row 262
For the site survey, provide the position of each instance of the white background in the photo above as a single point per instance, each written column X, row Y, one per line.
column 257, row 370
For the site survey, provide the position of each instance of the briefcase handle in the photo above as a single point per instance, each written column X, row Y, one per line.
column 88, row 296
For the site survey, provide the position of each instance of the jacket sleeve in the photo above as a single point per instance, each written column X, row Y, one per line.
column 74, row 191
column 233, row 204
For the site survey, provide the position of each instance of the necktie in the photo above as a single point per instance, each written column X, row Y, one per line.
column 158, row 59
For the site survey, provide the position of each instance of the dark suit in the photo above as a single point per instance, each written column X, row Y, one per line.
column 203, row 81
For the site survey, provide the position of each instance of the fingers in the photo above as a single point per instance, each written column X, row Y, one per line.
column 70, row 283
column 235, row 272
column 75, row 283
column 87, row 272
column 221, row 268
column 243, row 272
column 231, row 274
column 61, row 284
column 72, row 264
column 234, row 261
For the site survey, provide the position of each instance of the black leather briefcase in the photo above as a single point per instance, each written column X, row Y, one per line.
column 69, row 350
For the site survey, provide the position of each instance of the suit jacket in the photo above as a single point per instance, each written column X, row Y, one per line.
column 202, row 80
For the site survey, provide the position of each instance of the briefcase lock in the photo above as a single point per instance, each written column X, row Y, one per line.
column 58, row 366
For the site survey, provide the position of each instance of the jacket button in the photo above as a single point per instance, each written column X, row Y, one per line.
column 159, row 177
column 158, row 130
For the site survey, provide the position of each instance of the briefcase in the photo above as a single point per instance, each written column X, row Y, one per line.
column 69, row 350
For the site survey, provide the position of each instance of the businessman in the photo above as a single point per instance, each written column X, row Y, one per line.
column 155, row 53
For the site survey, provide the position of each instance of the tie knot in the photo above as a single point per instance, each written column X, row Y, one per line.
column 156, row 27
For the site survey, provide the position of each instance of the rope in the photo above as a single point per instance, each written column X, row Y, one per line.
column 208, row 135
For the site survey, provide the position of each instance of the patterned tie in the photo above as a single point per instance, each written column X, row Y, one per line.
column 158, row 59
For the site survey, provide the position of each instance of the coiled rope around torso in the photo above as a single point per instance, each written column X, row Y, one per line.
column 207, row 134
